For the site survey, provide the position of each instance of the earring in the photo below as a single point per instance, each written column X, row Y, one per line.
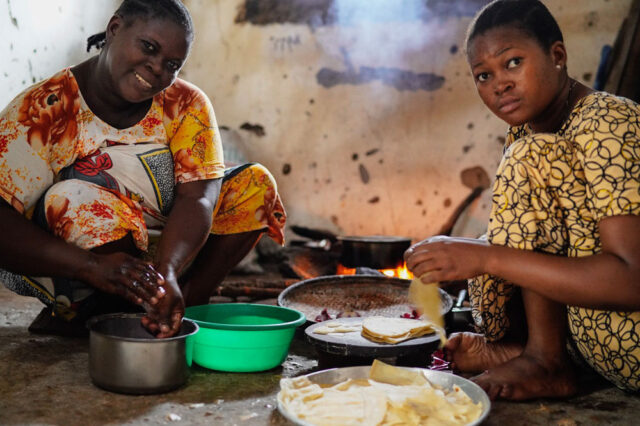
column 559, row 66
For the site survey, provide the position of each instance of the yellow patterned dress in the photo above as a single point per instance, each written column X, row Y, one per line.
column 90, row 183
column 551, row 190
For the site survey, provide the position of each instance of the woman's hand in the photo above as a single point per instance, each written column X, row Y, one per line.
column 443, row 258
column 126, row 276
column 164, row 318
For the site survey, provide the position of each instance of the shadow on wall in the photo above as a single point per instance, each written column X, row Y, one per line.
column 341, row 12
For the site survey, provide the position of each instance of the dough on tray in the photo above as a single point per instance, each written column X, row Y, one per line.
column 394, row 330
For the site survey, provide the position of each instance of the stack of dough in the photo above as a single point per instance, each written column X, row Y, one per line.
column 394, row 330
column 391, row 396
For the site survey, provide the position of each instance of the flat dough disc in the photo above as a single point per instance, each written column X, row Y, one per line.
column 394, row 330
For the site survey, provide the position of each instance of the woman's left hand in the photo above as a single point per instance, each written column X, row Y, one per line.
column 443, row 258
column 164, row 318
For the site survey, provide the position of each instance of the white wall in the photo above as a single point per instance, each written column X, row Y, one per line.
column 319, row 140
column 40, row 37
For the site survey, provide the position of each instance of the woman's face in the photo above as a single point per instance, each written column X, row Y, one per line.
column 144, row 58
column 514, row 76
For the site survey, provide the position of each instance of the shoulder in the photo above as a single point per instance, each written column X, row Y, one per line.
column 52, row 89
column 603, row 104
column 600, row 117
column 182, row 89
column 183, row 97
column 46, row 102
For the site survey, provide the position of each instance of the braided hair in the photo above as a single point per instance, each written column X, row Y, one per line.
column 530, row 16
column 174, row 10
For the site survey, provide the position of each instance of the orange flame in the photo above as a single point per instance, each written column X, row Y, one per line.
column 399, row 272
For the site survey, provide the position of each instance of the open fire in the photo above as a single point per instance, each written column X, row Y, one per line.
column 399, row 272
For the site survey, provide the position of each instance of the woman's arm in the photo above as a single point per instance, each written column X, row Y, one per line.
column 188, row 225
column 27, row 249
column 184, row 234
column 608, row 280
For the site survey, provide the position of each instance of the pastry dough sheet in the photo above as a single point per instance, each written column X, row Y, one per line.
column 426, row 298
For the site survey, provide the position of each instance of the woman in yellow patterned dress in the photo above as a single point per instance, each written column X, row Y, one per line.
column 558, row 276
column 100, row 152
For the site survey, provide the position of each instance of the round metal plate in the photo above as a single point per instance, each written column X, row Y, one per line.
column 439, row 378
column 353, row 344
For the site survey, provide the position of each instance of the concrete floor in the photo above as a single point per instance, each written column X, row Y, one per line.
column 45, row 381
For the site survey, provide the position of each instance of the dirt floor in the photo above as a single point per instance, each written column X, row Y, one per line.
column 44, row 380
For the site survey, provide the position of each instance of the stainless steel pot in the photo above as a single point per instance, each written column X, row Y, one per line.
column 125, row 358
column 377, row 252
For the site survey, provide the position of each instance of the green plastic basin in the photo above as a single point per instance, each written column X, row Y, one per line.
column 242, row 337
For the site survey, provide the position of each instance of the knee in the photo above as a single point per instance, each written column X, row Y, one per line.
column 72, row 186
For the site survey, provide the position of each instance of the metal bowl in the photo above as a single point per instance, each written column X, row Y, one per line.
column 125, row 358
column 439, row 378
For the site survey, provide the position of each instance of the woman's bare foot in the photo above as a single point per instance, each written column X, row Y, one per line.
column 470, row 352
column 527, row 377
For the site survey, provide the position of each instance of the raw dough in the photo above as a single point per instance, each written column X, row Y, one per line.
column 426, row 298
column 394, row 330
column 336, row 327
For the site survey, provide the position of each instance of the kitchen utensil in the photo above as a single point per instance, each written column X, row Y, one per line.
column 460, row 315
column 364, row 295
column 354, row 345
column 125, row 358
column 439, row 378
column 242, row 336
column 378, row 251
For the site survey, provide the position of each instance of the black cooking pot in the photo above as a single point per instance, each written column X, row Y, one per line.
column 377, row 251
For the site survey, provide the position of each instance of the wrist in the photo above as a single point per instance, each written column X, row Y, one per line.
column 167, row 270
column 86, row 267
column 488, row 259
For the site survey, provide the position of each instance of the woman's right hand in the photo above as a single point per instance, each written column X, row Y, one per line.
column 165, row 318
column 443, row 258
column 126, row 276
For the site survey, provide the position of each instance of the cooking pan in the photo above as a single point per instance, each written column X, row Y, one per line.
column 377, row 251
column 364, row 295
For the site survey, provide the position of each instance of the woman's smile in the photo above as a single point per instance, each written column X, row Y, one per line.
column 144, row 83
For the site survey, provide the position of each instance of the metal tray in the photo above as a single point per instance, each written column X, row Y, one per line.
column 368, row 295
column 353, row 344
column 439, row 378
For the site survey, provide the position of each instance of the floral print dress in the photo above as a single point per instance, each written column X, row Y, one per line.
column 90, row 183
